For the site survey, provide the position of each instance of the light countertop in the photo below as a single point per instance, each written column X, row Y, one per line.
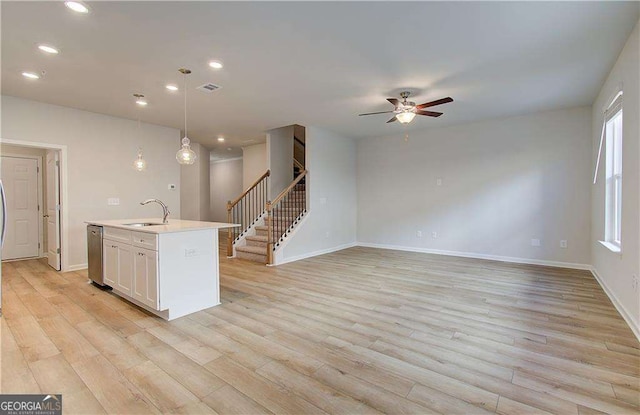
column 173, row 225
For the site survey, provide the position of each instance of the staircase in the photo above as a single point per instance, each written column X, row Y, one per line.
column 282, row 215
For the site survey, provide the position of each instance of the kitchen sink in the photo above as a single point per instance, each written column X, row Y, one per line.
column 141, row 224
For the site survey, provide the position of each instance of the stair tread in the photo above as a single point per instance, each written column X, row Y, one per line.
column 258, row 238
column 252, row 249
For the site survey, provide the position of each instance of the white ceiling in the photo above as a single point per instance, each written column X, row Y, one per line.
column 315, row 63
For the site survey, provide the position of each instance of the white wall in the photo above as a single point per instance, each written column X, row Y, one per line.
column 504, row 182
column 194, row 186
column 101, row 151
column 280, row 157
column 254, row 164
column 615, row 270
column 226, row 185
column 331, row 188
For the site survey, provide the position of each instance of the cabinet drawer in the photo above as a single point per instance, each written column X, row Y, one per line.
column 145, row 240
column 116, row 234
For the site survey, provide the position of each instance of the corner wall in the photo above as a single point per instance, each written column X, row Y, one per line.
column 254, row 164
column 194, row 185
column 330, row 224
column 226, row 185
column 615, row 270
column 101, row 151
column 483, row 190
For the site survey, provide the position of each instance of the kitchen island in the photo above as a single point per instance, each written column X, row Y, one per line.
column 170, row 269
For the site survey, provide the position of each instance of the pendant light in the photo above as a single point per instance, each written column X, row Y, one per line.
column 139, row 163
column 185, row 155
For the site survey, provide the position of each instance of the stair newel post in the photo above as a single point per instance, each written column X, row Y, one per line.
column 229, row 231
column 269, row 234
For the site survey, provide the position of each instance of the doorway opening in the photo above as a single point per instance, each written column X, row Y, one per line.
column 34, row 177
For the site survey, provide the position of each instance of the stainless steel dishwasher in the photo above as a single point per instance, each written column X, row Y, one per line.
column 94, row 246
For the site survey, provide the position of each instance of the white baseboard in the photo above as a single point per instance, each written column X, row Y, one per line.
column 316, row 253
column 633, row 325
column 479, row 256
column 76, row 267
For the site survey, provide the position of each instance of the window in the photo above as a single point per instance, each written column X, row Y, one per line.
column 613, row 174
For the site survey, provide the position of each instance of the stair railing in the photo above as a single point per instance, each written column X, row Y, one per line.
column 247, row 209
column 284, row 212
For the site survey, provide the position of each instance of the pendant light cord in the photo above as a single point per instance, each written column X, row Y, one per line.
column 185, row 105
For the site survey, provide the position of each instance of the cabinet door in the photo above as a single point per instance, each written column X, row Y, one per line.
column 110, row 267
column 125, row 268
column 145, row 279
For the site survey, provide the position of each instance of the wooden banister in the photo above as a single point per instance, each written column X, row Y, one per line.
column 289, row 188
column 283, row 213
column 298, row 164
column 247, row 208
column 235, row 202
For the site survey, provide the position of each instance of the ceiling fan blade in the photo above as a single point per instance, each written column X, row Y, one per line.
column 373, row 113
column 429, row 113
column 394, row 101
column 434, row 103
column 392, row 120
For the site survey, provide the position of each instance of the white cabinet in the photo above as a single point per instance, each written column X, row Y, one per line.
column 118, row 265
column 145, row 277
column 130, row 270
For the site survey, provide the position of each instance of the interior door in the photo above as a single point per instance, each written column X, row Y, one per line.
column 20, row 178
column 53, row 209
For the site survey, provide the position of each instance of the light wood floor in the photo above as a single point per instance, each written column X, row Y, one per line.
column 357, row 331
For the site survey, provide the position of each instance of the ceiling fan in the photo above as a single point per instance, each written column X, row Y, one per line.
column 405, row 110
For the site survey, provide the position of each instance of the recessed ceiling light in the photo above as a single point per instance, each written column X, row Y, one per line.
column 30, row 75
column 48, row 49
column 216, row 64
column 221, row 139
column 229, row 149
column 77, row 6
column 171, row 87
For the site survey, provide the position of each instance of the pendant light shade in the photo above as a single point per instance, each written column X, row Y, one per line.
column 185, row 155
column 140, row 164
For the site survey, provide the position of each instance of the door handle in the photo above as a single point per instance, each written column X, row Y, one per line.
column 4, row 214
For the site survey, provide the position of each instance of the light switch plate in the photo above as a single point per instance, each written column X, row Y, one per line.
column 113, row 201
column 535, row 242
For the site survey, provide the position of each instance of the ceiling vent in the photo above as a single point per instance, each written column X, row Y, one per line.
column 208, row 87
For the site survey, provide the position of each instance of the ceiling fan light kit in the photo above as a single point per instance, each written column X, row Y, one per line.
column 405, row 111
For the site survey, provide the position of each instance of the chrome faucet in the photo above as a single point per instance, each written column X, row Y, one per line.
column 165, row 209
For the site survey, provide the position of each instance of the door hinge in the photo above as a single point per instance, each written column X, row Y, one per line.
column 57, row 207
column 57, row 163
column 38, row 208
column 58, row 251
column 38, row 245
column 37, row 169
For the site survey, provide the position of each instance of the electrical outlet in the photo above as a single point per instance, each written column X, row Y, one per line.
column 190, row 252
column 535, row 242
column 439, row 181
column 563, row 244
column 418, row 234
column 434, row 235
column 326, row 234
column 634, row 282
column 113, row 201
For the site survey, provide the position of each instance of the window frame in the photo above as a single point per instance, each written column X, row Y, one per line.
column 613, row 174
